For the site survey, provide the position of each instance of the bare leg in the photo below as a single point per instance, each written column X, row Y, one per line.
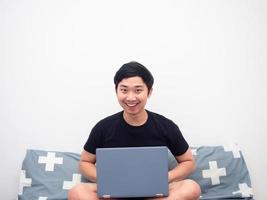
column 183, row 190
column 84, row 191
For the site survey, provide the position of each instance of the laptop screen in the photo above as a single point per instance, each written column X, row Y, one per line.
column 132, row 172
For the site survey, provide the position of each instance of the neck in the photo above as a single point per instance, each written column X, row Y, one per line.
column 136, row 119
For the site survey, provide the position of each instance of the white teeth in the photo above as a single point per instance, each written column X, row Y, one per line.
column 131, row 105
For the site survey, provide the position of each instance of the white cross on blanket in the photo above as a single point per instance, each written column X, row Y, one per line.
column 244, row 190
column 24, row 182
column 76, row 178
column 214, row 173
column 42, row 198
column 50, row 160
column 234, row 148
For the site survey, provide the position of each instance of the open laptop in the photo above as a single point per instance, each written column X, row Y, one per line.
column 132, row 172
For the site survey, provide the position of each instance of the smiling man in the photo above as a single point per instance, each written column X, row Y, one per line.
column 132, row 94
column 137, row 127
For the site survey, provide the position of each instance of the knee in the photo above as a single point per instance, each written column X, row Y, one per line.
column 83, row 191
column 73, row 194
column 195, row 190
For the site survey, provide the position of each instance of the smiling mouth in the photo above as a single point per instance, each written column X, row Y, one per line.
column 131, row 104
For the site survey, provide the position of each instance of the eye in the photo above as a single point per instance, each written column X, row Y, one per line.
column 139, row 90
column 123, row 90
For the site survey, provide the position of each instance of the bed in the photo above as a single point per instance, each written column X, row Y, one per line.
column 221, row 173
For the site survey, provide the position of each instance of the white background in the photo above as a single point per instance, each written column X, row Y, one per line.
column 58, row 59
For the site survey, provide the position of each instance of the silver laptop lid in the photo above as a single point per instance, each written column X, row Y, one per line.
column 132, row 172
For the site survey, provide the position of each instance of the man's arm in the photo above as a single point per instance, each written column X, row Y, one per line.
column 186, row 165
column 87, row 165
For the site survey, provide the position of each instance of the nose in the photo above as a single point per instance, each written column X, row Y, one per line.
column 131, row 96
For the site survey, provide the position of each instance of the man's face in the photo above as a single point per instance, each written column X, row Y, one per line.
column 132, row 94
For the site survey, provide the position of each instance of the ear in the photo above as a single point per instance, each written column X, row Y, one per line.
column 150, row 92
column 116, row 89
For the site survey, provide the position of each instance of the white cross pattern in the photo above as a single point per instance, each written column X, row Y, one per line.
column 214, row 173
column 50, row 160
column 76, row 178
column 42, row 198
column 245, row 190
column 194, row 152
column 234, row 148
column 24, row 182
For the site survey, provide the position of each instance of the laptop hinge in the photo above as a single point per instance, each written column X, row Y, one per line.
column 159, row 195
column 106, row 196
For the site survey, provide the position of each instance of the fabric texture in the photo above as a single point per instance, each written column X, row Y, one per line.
column 221, row 172
column 113, row 131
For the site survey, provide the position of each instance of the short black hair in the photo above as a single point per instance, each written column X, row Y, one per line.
column 132, row 69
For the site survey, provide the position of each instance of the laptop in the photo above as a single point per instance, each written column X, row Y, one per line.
column 132, row 172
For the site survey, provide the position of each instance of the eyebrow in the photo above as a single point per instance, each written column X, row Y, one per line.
column 136, row 86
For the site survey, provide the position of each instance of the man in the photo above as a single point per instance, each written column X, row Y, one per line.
column 137, row 127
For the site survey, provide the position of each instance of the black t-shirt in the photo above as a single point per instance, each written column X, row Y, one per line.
column 114, row 131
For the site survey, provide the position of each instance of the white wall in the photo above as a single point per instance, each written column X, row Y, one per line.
column 58, row 58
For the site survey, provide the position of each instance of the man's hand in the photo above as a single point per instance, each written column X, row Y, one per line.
column 87, row 165
column 186, row 165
